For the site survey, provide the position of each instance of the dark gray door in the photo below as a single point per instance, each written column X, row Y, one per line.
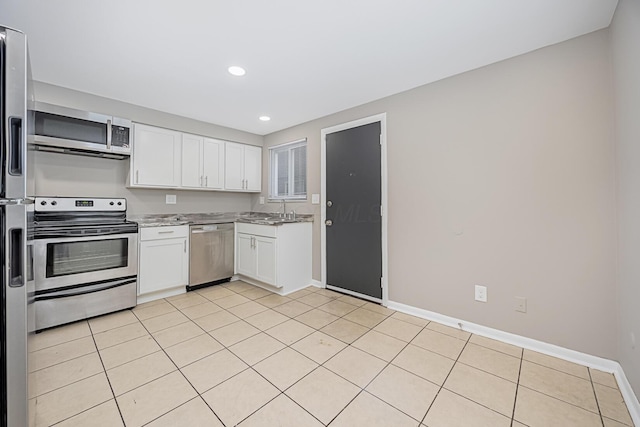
column 354, row 228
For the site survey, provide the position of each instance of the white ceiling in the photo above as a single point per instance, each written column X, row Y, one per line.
column 304, row 59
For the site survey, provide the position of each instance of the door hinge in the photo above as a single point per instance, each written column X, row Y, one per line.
column 380, row 139
column 380, row 210
column 381, row 282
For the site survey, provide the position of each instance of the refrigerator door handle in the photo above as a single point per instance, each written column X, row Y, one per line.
column 16, row 257
column 15, row 147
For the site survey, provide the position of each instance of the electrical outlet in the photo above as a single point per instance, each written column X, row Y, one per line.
column 262, row 200
column 171, row 199
column 521, row 304
column 481, row 293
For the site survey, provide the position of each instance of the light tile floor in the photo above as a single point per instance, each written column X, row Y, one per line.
column 235, row 354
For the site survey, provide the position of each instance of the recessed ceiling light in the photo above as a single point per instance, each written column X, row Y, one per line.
column 265, row 118
column 237, row 71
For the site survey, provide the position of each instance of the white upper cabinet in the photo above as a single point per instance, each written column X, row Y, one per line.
column 191, row 161
column 202, row 162
column 213, row 163
column 243, row 167
column 252, row 168
column 156, row 157
column 164, row 158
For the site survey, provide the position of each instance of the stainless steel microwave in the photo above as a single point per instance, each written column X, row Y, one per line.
column 65, row 130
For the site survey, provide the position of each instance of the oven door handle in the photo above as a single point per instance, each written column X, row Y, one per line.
column 84, row 290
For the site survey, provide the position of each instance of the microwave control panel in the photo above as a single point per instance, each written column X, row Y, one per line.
column 120, row 136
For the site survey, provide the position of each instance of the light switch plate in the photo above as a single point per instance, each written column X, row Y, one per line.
column 315, row 199
column 171, row 199
column 262, row 200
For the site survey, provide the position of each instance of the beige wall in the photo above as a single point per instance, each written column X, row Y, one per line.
column 625, row 42
column 67, row 175
column 503, row 176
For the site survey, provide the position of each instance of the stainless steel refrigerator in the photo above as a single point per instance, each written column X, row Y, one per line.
column 13, row 226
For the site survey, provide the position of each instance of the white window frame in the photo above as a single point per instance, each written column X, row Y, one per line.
column 273, row 179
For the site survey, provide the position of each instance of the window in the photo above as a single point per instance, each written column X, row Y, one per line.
column 288, row 173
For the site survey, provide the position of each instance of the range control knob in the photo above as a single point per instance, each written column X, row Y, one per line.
column 119, row 203
column 111, row 203
column 44, row 202
column 53, row 203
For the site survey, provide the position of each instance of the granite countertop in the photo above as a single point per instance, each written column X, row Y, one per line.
column 269, row 218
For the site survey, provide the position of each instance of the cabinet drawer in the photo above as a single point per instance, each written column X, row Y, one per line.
column 168, row 232
column 257, row 229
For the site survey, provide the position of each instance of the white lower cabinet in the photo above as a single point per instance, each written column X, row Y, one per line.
column 163, row 268
column 277, row 256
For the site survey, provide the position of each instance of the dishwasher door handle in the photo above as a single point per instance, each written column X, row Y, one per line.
column 204, row 229
column 201, row 231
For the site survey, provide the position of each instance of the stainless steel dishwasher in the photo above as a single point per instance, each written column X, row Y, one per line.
column 211, row 254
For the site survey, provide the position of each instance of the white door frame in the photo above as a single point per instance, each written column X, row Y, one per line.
column 382, row 118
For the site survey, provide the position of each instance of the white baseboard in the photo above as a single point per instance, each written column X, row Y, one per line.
column 316, row 283
column 588, row 360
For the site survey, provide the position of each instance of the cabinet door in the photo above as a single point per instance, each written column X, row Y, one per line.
column 265, row 249
column 245, row 255
column 191, row 161
column 163, row 265
column 253, row 168
column 234, row 166
column 213, row 163
column 156, row 157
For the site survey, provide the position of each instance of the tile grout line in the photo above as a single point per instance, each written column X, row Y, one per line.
column 595, row 396
column 105, row 374
column 446, row 378
column 248, row 366
column 63, row 361
column 177, row 369
column 363, row 389
column 280, row 392
column 515, row 399
column 319, row 364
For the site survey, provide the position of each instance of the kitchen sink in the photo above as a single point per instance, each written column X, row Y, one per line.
column 268, row 219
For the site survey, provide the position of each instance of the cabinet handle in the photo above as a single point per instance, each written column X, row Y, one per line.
column 200, row 180
column 185, row 246
column 137, row 175
column 206, row 181
column 166, row 232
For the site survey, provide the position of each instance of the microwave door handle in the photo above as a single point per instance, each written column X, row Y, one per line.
column 109, row 134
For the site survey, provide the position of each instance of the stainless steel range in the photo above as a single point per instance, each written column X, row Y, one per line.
column 85, row 258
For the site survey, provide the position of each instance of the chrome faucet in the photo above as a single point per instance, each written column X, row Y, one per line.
column 283, row 202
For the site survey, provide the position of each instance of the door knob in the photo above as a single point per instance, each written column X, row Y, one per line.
column 329, row 203
column 328, row 223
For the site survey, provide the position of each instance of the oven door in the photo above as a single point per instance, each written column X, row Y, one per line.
column 65, row 261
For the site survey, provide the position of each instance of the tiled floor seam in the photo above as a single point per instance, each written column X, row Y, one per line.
column 559, row 370
column 445, row 379
column 515, row 399
column 83, row 411
column 107, row 376
column 558, row 399
column 363, row 389
column 281, row 392
column 595, row 396
column 63, row 361
column 179, row 370
column 304, row 376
